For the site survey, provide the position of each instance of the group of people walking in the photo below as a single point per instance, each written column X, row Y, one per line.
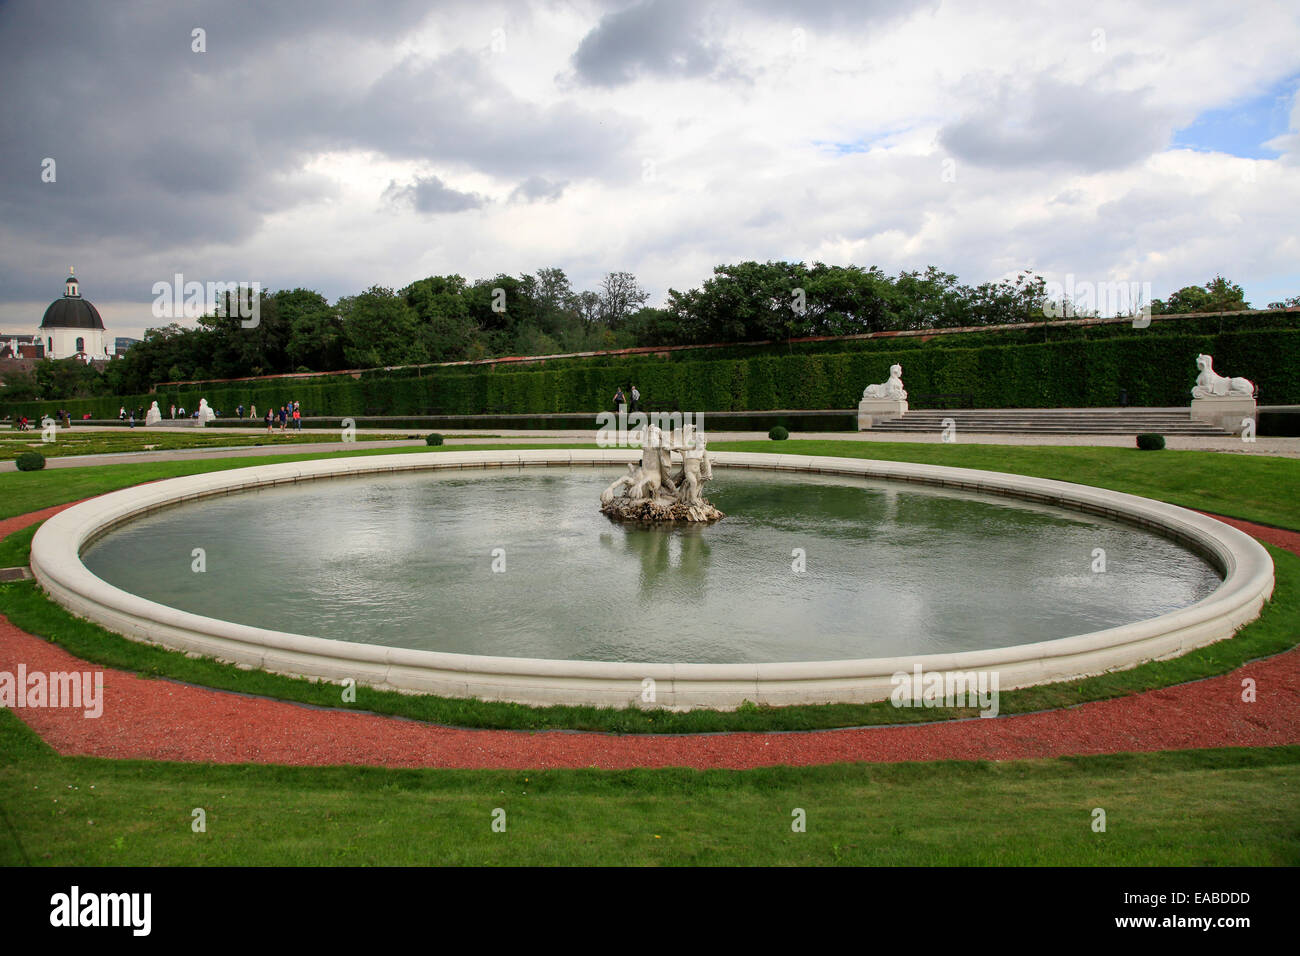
column 290, row 412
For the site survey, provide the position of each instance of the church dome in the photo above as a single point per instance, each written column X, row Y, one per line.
column 72, row 311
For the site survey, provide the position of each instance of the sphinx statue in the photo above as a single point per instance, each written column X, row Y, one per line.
column 1210, row 384
column 891, row 390
column 883, row 402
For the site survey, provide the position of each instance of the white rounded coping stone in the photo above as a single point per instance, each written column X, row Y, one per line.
column 56, row 562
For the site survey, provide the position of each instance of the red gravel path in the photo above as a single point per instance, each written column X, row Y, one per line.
column 159, row 720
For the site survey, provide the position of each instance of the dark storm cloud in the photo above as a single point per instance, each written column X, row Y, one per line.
column 429, row 194
column 160, row 149
column 1056, row 123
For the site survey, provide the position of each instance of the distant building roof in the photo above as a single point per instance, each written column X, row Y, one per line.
column 72, row 311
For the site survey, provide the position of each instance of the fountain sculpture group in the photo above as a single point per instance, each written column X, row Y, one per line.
column 652, row 491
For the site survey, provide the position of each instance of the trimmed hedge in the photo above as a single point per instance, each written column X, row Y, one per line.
column 30, row 461
column 1150, row 442
column 1153, row 369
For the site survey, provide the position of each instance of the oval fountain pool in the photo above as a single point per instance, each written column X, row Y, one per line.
column 470, row 574
column 522, row 565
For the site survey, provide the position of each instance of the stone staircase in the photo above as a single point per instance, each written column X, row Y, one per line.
column 1052, row 421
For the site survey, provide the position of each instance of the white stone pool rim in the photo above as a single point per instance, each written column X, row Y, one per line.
column 56, row 563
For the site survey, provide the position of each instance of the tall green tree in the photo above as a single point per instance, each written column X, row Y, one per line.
column 620, row 296
column 445, row 330
column 1217, row 295
column 846, row 300
column 67, row 378
column 315, row 331
column 933, row 299
column 379, row 329
column 243, row 342
column 502, row 307
column 20, row 387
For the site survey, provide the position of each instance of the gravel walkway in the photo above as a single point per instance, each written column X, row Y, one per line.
column 330, row 442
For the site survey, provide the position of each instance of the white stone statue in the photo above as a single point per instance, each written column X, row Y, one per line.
column 696, row 469
column 647, row 476
column 648, row 492
column 650, row 476
column 665, row 445
column 1209, row 384
column 153, row 416
column 891, row 390
column 205, row 414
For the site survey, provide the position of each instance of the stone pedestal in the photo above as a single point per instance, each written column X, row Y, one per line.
column 1226, row 412
column 873, row 411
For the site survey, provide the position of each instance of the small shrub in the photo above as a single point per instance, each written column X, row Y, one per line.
column 778, row 433
column 30, row 461
column 1149, row 442
column 433, row 439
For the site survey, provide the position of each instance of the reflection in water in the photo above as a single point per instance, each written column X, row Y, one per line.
column 407, row 561
column 674, row 561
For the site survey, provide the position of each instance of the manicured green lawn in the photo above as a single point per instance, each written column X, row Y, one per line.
column 1219, row 807
column 16, row 548
column 74, row 442
column 1254, row 487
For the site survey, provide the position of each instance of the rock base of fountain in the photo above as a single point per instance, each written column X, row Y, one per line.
column 661, row 511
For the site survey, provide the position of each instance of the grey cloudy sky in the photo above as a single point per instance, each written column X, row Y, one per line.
column 336, row 145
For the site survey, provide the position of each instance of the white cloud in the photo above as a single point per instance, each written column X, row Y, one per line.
column 819, row 134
